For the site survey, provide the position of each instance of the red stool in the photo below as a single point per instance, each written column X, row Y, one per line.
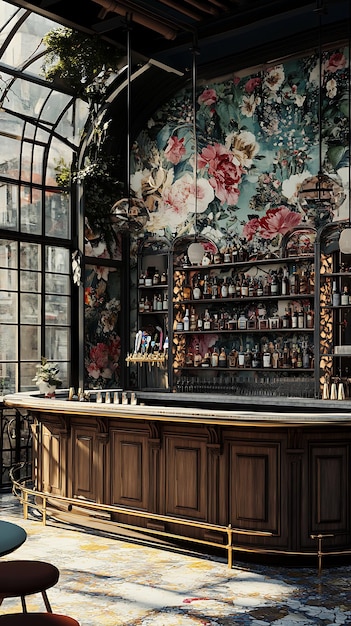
column 37, row 619
column 24, row 578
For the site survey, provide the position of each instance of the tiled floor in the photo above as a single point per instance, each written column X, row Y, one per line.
column 109, row 582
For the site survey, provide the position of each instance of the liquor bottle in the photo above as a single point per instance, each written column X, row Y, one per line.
column 165, row 301
column 275, row 357
column 245, row 287
column 294, row 320
column 294, row 282
column 207, row 320
column 248, row 357
column 266, row 356
column 286, row 321
column 241, row 357
column 224, row 289
column 256, row 361
column 345, row 296
column 336, row 299
column 286, row 356
column 215, row 358
column 309, row 318
column 206, row 288
column 193, row 322
column 186, row 320
column 214, row 288
column 156, row 278
column 197, row 356
column 222, row 359
column 305, row 358
column 163, row 278
column 274, row 285
column 242, row 321
column 259, row 287
column 197, row 294
column 293, row 356
column 231, row 288
column 285, row 282
column 158, row 303
column 301, row 319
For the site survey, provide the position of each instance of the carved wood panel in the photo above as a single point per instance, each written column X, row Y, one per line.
column 329, row 486
column 254, row 486
column 83, row 465
column 130, row 469
column 186, row 477
column 52, row 466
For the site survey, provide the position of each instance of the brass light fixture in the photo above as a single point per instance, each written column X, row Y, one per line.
column 129, row 214
column 319, row 196
column 195, row 250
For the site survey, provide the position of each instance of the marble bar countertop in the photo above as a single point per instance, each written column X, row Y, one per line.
column 196, row 409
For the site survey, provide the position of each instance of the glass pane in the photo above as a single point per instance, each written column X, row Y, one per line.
column 8, row 342
column 8, row 206
column 31, row 210
column 54, row 106
column 30, row 308
column 30, row 344
column 8, row 253
column 30, row 256
column 30, row 281
column 8, row 377
column 26, row 160
column 57, row 260
column 26, row 40
column 26, row 98
column 8, row 307
column 27, row 373
column 57, row 310
column 8, row 280
column 57, row 218
column 10, row 157
column 57, row 344
column 57, row 283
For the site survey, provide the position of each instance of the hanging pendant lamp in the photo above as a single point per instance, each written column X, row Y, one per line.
column 319, row 196
column 129, row 214
column 195, row 249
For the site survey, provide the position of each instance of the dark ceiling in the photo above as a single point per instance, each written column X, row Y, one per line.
column 230, row 34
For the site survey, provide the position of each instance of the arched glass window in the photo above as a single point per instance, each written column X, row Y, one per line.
column 40, row 130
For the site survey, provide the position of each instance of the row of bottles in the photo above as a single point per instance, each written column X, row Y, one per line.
column 152, row 276
column 290, row 355
column 294, row 317
column 155, row 303
column 275, row 283
column 342, row 298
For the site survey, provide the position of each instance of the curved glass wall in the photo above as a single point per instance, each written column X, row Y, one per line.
column 40, row 129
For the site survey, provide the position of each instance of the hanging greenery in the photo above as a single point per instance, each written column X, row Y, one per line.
column 78, row 58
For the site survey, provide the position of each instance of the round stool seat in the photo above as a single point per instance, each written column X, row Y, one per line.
column 37, row 619
column 22, row 578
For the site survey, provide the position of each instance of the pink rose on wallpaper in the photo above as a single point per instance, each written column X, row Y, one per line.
column 175, row 149
column 251, row 228
column 337, row 61
column 251, row 84
column 278, row 221
column 99, row 355
column 224, row 172
column 208, row 97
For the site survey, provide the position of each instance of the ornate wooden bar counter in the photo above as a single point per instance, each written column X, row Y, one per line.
column 282, row 469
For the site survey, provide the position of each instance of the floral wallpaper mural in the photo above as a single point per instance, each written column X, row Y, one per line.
column 257, row 139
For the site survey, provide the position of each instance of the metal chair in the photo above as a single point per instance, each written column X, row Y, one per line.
column 24, row 578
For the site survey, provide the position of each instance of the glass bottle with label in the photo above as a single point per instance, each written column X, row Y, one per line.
column 214, row 358
column 186, row 320
column 207, row 320
column 242, row 321
column 335, row 295
column 197, row 356
column 285, row 282
column 222, row 359
column 345, row 296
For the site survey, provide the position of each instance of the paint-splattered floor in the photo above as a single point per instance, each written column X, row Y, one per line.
column 110, row 582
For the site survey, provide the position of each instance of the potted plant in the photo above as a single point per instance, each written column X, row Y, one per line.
column 46, row 377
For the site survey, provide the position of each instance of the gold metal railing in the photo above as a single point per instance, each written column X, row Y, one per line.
column 41, row 500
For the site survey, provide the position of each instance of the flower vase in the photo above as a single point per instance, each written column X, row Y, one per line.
column 47, row 390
